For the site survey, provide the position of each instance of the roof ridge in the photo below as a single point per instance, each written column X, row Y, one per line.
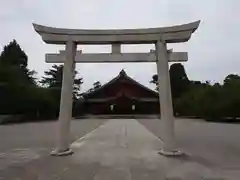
column 121, row 74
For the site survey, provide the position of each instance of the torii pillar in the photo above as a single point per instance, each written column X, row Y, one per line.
column 165, row 98
column 65, row 113
column 159, row 36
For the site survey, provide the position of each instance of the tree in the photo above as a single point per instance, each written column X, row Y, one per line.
column 53, row 79
column 97, row 85
column 20, row 94
column 17, row 82
column 155, row 80
column 13, row 55
column 15, row 75
column 178, row 78
column 231, row 95
column 212, row 102
column 231, row 78
column 13, row 65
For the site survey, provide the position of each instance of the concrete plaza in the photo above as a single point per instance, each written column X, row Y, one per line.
column 121, row 149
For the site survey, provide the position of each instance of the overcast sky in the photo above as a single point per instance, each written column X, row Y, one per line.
column 213, row 49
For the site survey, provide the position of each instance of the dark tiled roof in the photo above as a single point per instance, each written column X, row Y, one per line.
column 120, row 75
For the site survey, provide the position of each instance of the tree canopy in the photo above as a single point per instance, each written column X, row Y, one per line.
column 17, row 82
column 178, row 78
column 13, row 65
column 13, row 55
column 201, row 99
column 20, row 92
column 53, row 79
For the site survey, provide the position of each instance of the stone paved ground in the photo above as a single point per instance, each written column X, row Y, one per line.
column 215, row 145
column 125, row 149
column 23, row 143
column 41, row 134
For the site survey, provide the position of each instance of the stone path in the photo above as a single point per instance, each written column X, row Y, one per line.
column 119, row 150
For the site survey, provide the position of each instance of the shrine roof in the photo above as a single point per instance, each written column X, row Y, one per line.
column 121, row 75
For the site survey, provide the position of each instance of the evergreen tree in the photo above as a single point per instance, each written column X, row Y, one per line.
column 13, row 65
column 53, row 79
column 17, row 84
column 13, row 55
column 178, row 78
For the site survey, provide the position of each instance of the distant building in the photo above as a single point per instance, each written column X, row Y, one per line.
column 121, row 95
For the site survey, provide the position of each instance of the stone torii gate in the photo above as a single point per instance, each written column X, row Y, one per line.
column 159, row 36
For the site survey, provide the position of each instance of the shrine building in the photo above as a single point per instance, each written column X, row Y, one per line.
column 121, row 96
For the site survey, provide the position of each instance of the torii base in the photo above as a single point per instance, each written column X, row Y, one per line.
column 57, row 152
column 170, row 153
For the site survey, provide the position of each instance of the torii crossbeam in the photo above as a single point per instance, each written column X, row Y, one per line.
column 114, row 57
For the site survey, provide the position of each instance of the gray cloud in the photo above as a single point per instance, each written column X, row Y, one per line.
column 213, row 49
